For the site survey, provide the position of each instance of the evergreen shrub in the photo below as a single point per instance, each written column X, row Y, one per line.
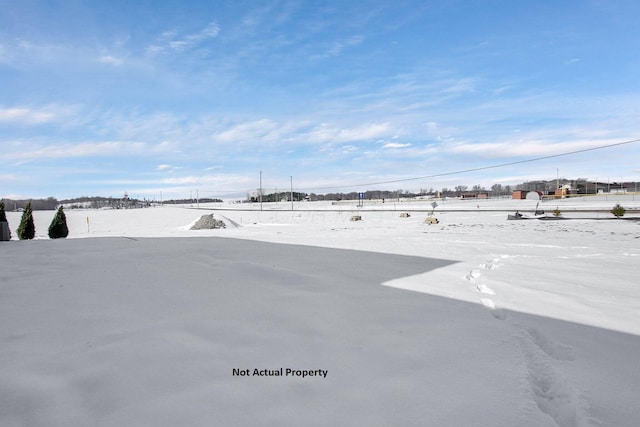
column 27, row 229
column 618, row 210
column 58, row 228
column 3, row 217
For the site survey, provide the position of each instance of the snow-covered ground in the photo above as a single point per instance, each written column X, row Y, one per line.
column 473, row 321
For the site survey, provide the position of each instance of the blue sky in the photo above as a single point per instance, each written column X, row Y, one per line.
column 150, row 97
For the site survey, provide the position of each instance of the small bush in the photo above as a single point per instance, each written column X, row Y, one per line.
column 27, row 229
column 58, row 228
column 618, row 210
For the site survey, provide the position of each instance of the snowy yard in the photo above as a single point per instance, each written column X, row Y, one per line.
column 475, row 321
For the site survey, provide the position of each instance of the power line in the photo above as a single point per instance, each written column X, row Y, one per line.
column 535, row 159
column 458, row 172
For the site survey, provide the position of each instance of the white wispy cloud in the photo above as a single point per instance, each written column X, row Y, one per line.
column 459, row 86
column 178, row 44
column 183, row 180
column 395, row 145
column 68, row 150
column 110, row 60
column 337, row 47
column 154, row 49
column 6, row 178
column 26, row 116
column 86, row 149
column 211, row 30
column 331, row 134
column 252, row 131
column 184, row 184
column 172, row 169
column 348, row 149
column 172, row 40
column 525, row 147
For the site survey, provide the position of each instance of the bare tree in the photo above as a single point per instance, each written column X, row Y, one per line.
column 460, row 189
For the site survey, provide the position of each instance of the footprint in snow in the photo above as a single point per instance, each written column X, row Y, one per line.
column 495, row 311
column 491, row 265
column 485, row 289
column 473, row 274
column 554, row 350
column 553, row 393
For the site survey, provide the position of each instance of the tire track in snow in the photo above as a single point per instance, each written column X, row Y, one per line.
column 232, row 222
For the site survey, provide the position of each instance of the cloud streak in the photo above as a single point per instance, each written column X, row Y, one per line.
column 173, row 41
column 110, row 60
column 395, row 145
column 84, row 149
column 26, row 116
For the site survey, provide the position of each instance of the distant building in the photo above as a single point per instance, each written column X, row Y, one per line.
column 475, row 195
column 560, row 193
column 564, row 191
column 519, row 194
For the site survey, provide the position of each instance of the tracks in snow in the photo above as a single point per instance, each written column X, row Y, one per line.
column 551, row 390
column 475, row 277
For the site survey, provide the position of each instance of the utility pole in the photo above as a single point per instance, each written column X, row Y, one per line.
column 260, row 194
column 291, row 179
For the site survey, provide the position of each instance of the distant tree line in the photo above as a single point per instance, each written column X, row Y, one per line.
column 278, row 196
column 581, row 185
column 48, row 204
column 51, row 203
column 94, row 202
column 190, row 201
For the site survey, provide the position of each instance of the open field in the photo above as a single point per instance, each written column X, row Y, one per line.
column 472, row 321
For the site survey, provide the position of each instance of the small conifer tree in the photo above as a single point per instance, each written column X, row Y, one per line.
column 58, row 228
column 3, row 217
column 27, row 229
